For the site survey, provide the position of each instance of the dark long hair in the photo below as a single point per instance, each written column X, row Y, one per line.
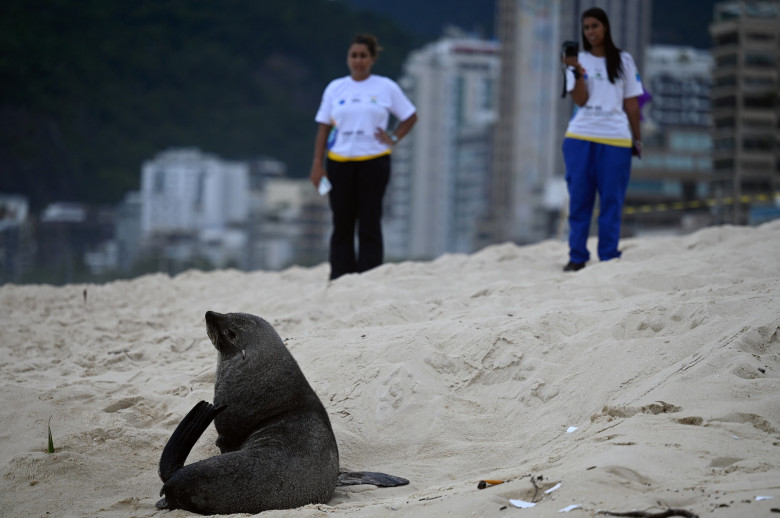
column 370, row 41
column 614, row 64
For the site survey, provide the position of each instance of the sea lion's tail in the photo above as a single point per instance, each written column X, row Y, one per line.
column 185, row 436
column 354, row 478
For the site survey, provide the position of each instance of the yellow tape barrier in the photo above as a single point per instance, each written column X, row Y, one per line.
column 680, row 205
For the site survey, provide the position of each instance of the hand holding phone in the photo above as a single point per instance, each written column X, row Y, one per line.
column 325, row 186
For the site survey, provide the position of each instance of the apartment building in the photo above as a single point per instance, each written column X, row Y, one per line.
column 439, row 188
column 746, row 105
column 670, row 185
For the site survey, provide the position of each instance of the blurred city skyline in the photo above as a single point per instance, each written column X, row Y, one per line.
column 186, row 77
column 194, row 94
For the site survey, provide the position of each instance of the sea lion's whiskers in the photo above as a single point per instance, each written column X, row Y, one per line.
column 213, row 336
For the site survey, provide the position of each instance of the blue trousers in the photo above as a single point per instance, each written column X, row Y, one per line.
column 595, row 168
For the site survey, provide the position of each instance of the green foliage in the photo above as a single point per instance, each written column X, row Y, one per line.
column 93, row 88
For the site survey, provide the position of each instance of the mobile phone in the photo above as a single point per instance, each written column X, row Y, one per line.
column 570, row 48
column 325, row 186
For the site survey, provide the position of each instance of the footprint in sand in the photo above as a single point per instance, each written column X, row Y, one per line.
column 758, row 339
column 659, row 407
column 399, row 386
column 121, row 405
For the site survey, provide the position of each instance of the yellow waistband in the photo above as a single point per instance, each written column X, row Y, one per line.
column 339, row 158
column 617, row 142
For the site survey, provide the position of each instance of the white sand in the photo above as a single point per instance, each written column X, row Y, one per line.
column 444, row 372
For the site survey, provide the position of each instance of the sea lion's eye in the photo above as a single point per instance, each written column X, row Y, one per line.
column 231, row 334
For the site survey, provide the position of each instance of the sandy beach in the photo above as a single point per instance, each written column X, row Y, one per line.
column 648, row 382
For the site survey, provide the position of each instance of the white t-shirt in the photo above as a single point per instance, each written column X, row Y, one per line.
column 603, row 119
column 356, row 109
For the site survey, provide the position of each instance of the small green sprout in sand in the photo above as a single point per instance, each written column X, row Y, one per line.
column 51, row 442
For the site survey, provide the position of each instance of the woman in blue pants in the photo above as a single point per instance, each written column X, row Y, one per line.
column 604, row 84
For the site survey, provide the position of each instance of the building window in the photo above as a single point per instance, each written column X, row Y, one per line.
column 488, row 93
column 158, row 183
column 724, row 144
column 680, row 162
column 725, row 164
column 760, row 60
column 753, row 166
column 726, row 81
column 758, row 81
column 760, row 101
column 725, row 122
column 460, row 99
column 200, row 189
column 731, row 38
column 756, row 186
column 758, row 36
column 704, row 163
column 758, row 123
column 690, row 142
column 727, row 61
column 729, row 101
column 757, row 143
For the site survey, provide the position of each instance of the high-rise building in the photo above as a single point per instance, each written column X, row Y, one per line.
column 198, row 209
column 195, row 206
column 524, row 143
column 680, row 81
column 65, row 233
column 127, row 232
column 15, row 237
column 185, row 190
column 440, row 180
column 746, row 106
column 290, row 221
column 676, row 166
column 527, row 163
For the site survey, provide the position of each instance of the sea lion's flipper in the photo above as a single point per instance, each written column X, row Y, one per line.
column 185, row 436
column 354, row 478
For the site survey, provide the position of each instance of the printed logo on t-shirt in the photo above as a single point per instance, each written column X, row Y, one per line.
column 596, row 109
column 332, row 136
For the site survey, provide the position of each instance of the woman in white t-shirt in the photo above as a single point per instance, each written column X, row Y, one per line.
column 602, row 136
column 353, row 118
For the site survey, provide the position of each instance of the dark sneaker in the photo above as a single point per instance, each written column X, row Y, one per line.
column 573, row 267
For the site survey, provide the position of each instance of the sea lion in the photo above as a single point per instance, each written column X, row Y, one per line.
column 277, row 446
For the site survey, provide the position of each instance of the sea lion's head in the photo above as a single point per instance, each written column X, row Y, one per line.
column 226, row 331
column 241, row 335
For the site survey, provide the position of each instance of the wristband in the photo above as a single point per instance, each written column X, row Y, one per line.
column 394, row 138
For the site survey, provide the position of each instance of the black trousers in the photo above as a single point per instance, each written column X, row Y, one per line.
column 356, row 201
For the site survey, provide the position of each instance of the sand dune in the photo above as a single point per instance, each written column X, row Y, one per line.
column 666, row 361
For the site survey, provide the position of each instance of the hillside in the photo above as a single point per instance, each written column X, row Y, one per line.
column 93, row 88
